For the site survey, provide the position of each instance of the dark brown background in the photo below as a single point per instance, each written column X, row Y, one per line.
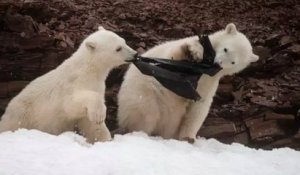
column 258, row 107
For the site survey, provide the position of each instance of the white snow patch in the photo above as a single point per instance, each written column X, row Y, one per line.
column 31, row 152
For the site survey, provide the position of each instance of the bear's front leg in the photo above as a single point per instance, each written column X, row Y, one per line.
column 96, row 111
column 189, row 50
column 88, row 104
column 93, row 132
column 193, row 120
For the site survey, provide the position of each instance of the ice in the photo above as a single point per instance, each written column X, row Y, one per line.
column 31, row 152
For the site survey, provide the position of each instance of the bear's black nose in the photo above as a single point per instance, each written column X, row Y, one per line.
column 233, row 62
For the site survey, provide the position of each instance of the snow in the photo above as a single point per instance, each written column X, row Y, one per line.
column 31, row 152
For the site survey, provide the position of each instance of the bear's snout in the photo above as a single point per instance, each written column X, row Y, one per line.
column 132, row 56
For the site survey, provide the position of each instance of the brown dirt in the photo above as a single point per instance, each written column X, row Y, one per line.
column 258, row 107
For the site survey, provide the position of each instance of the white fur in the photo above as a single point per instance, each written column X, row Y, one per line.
column 146, row 105
column 72, row 95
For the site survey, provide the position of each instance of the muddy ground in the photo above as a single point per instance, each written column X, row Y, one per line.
column 259, row 107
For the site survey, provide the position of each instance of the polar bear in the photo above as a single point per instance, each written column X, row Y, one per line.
column 72, row 95
column 145, row 105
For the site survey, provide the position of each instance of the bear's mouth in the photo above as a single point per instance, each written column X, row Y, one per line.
column 133, row 58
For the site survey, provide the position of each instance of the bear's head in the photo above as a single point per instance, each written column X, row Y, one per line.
column 107, row 48
column 233, row 50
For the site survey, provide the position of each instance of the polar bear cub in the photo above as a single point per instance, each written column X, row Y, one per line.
column 145, row 105
column 72, row 95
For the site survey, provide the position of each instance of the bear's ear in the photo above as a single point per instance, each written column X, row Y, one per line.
column 90, row 45
column 101, row 28
column 253, row 58
column 231, row 29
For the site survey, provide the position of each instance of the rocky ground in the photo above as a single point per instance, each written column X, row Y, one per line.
column 258, row 107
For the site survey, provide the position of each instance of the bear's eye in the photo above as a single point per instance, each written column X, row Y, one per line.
column 119, row 49
column 225, row 50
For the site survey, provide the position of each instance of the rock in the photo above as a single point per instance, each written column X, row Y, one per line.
column 14, row 87
column 287, row 40
column 42, row 28
column 273, row 40
column 36, row 42
column 74, row 21
column 242, row 138
column 224, row 94
column 226, row 79
column 61, row 26
column 215, row 121
column 144, row 35
column 297, row 136
column 20, row 23
column 69, row 42
column 265, row 129
column 298, row 114
column 3, row 90
column 290, row 142
column 252, row 122
column 216, row 131
column 3, row 104
column 225, row 90
column 275, row 116
column 295, row 48
column 140, row 50
column 262, row 140
column 142, row 44
column 91, row 22
column 177, row 31
column 63, row 44
column 264, row 101
column 262, row 52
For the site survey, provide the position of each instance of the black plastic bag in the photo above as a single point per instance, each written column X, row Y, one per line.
column 180, row 77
